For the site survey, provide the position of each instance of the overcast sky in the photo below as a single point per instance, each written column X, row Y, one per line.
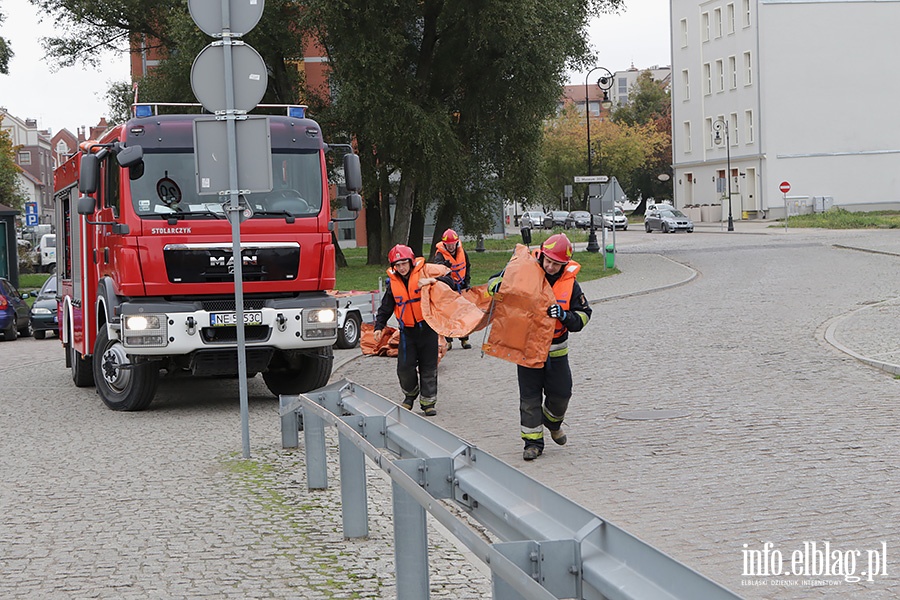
column 72, row 97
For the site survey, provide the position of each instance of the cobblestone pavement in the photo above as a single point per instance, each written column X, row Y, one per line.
column 159, row 504
column 788, row 441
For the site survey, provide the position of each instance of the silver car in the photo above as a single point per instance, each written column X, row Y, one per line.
column 667, row 221
column 532, row 219
column 618, row 218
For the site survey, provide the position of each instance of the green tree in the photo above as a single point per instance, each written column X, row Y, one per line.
column 10, row 195
column 6, row 52
column 563, row 156
column 447, row 100
column 649, row 105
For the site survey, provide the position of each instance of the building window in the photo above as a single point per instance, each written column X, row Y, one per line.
column 748, row 125
column 684, row 33
column 748, row 70
column 720, row 76
column 746, row 13
column 733, row 129
column 686, row 84
column 24, row 158
column 687, row 137
column 704, row 26
column 717, row 19
column 732, row 72
column 707, row 83
column 708, row 132
column 729, row 18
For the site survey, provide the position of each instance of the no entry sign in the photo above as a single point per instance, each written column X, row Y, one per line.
column 785, row 187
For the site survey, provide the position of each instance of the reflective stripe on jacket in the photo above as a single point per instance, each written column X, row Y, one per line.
column 408, row 300
column 457, row 263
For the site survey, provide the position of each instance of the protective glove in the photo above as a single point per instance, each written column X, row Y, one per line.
column 556, row 311
column 378, row 334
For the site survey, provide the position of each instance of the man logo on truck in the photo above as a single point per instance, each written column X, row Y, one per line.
column 222, row 261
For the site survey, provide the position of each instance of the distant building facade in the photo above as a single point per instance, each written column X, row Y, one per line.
column 767, row 69
column 34, row 155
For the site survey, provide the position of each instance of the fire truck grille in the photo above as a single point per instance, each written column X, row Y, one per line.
column 203, row 264
column 225, row 362
column 228, row 335
column 229, row 305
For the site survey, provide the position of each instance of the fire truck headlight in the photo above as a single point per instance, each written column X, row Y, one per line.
column 322, row 315
column 144, row 331
column 320, row 323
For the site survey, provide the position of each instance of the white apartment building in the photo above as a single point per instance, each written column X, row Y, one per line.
column 777, row 74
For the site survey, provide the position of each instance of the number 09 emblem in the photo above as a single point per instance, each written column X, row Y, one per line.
column 168, row 191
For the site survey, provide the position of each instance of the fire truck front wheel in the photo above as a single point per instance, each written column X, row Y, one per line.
column 310, row 372
column 122, row 384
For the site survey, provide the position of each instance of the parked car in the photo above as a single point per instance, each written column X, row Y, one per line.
column 43, row 312
column 14, row 317
column 667, row 221
column 532, row 219
column 578, row 218
column 618, row 220
column 657, row 206
column 558, row 218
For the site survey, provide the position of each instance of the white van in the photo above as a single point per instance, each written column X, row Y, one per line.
column 48, row 252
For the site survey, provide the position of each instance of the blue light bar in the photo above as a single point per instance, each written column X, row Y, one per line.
column 298, row 112
column 143, row 110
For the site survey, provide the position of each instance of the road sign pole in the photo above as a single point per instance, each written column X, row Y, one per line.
column 785, row 187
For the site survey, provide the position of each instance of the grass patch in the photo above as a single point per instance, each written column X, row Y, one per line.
column 360, row 276
column 839, row 218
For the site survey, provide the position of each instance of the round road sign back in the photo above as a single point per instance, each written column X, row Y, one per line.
column 785, row 187
column 243, row 15
column 248, row 72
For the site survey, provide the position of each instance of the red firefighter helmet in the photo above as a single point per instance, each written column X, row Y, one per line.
column 557, row 247
column 400, row 252
column 450, row 237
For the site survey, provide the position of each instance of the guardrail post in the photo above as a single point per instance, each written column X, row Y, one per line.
column 354, row 508
column 314, row 440
column 410, row 546
column 290, row 424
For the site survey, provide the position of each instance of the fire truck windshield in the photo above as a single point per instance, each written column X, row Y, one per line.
column 168, row 185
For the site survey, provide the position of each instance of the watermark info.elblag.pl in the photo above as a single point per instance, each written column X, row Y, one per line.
column 812, row 564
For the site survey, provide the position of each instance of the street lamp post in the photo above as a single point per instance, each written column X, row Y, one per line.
column 604, row 82
column 718, row 126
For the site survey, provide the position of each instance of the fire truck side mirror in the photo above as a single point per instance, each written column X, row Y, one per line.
column 90, row 173
column 352, row 173
column 86, row 205
column 354, row 202
column 130, row 156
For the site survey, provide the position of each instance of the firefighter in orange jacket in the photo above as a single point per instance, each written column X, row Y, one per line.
column 417, row 357
column 544, row 392
column 449, row 252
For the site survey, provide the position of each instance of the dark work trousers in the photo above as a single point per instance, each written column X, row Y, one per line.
column 417, row 361
column 543, row 390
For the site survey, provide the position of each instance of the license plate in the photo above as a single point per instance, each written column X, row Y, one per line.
column 230, row 319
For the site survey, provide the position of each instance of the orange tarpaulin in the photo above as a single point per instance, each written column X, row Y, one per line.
column 521, row 331
column 390, row 342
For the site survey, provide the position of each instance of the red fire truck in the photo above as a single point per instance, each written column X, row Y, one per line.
column 146, row 262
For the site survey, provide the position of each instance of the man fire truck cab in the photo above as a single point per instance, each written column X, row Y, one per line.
column 146, row 262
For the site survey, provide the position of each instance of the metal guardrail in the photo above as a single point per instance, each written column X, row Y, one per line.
column 551, row 548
